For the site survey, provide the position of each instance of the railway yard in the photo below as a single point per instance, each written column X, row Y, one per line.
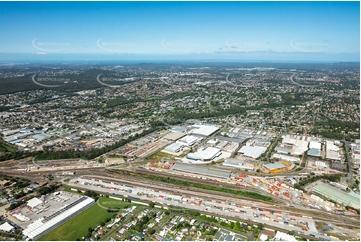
column 281, row 213
column 289, row 209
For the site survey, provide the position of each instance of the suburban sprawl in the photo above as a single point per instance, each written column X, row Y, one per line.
column 180, row 151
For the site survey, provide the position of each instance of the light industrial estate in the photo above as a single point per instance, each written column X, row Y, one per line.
column 178, row 152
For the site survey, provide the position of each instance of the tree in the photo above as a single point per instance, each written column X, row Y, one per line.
column 260, row 226
column 151, row 231
column 151, row 204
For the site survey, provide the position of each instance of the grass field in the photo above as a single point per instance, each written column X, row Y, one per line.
column 159, row 155
column 78, row 226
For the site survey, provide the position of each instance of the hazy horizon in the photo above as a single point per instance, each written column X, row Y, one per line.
column 208, row 31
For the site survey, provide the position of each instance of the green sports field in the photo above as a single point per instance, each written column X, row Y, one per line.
column 78, row 226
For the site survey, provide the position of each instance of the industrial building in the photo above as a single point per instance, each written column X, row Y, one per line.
column 314, row 152
column 280, row 236
column 320, row 164
column 274, row 167
column 180, row 129
column 174, row 148
column 233, row 140
column 10, row 132
column 203, row 130
column 41, row 137
column 173, row 136
column 258, row 142
column 6, row 227
column 290, row 158
column 283, row 149
column 343, row 198
column 342, row 187
column 300, row 143
column 333, row 155
column 315, row 145
column 332, row 150
column 188, row 140
column 288, row 139
column 300, row 147
column 202, row 170
column 331, row 146
column 252, row 151
column 232, row 162
column 338, row 166
column 34, row 202
column 231, row 147
column 205, row 154
column 44, row 225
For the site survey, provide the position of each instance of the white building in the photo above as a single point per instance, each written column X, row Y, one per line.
column 203, row 129
column 6, row 227
column 44, row 225
column 280, row 236
column 34, row 202
column 205, row 154
column 331, row 146
column 315, row 145
column 252, row 151
column 188, row 140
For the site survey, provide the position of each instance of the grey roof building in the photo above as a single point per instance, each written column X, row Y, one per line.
column 314, row 152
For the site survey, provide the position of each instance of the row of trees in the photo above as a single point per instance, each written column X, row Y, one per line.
column 303, row 182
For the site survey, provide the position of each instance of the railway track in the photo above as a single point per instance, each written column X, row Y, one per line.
column 191, row 191
column 207, row 182
column 341, row 219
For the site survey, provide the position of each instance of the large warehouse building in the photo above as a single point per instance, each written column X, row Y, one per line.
column 232, row 162
column 44, row 225
column 343, row 198
column 174, row 148
column 202, row 170
column 252, row 151
column 205, row 154
column 203, row 130
column 188, row 140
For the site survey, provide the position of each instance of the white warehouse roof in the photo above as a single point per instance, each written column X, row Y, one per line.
column 6, row 227
column 286, row 157
column 34, row 202
column 299, row 147
column 174, row 148
column 331, row 146
column 188, row 140
column 280, row 236
column 42, row 226
column 315, row 145
column 252, row 151
column 205, row 154
column 204, row 130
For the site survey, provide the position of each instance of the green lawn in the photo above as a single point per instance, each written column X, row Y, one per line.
column 159, row 155
column 78, row 226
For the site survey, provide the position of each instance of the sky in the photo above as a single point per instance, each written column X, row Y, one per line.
column 304, row 31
